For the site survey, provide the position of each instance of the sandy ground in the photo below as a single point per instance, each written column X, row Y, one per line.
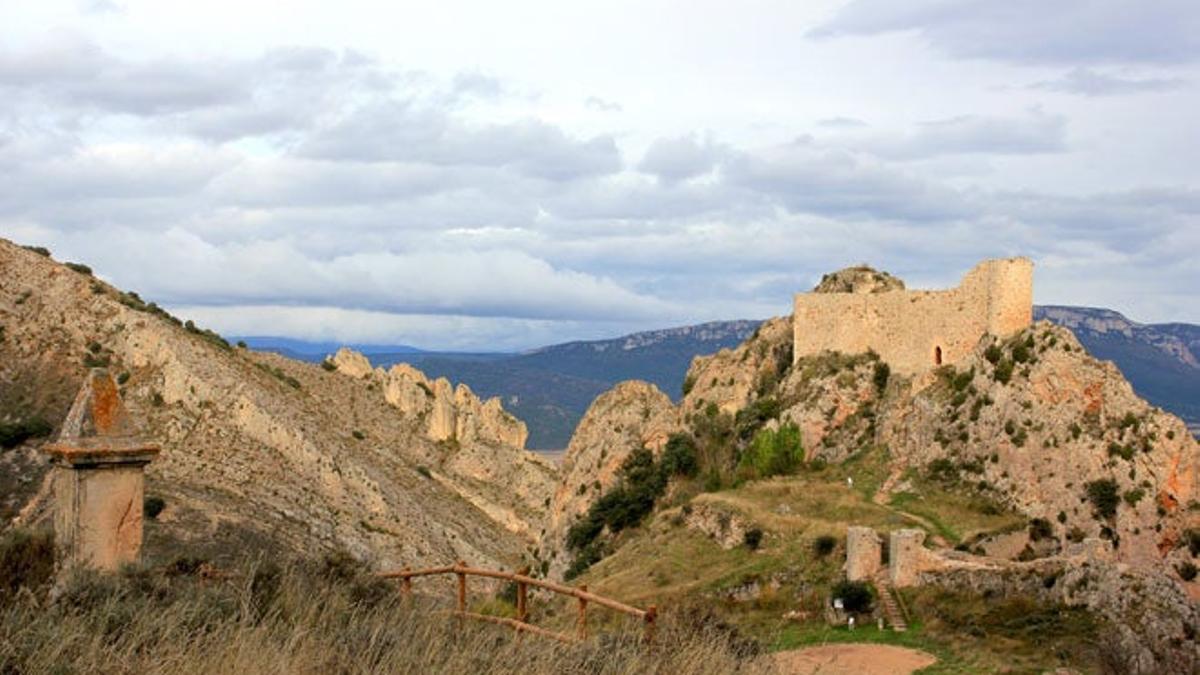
column 860, row 659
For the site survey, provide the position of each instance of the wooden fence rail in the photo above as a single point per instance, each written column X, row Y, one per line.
column 523, row 582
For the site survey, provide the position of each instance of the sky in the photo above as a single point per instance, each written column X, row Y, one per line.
column 505, row 175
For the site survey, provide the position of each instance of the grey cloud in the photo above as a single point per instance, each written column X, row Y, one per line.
column 405, row 131
column 1036, row 133
column 811, row 180
column 1035, row 31
column 674, row 159
column 1088, row 82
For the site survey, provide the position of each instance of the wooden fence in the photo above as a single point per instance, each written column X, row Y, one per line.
column 523, row 582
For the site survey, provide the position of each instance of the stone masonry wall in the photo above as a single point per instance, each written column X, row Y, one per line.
column 909, row 329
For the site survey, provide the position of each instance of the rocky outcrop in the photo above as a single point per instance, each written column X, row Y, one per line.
column 449, row 413
column 859, row 279
column 260, row 452
column 1056, row 435
column 731, row 378
column 629, row 416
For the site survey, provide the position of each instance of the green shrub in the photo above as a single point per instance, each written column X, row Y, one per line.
column 1125, row 452
column 679, row 456
column 824, row 545
column 751, row 418
column 689, row 381
column 1132, row 497
column 40, row 250
column 1004, row 371
column 1040, row 528
column 943, row 470
column 1187, row 571
column 26, row 561
column 993, row 354
column 153, row 505
column 424, row 471
column 880, row 377
column 640, row 482
column 1020, row 353
column 78, row 267
column 328, row 365
column 12, row 435
column 1103, row 496
column 241, row 344
column 773, row 453
column 358, row 435
column 752, row 538
column 856, row 596
column 1191, row 538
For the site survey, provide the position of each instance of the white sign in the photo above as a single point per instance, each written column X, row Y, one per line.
column 837, row 603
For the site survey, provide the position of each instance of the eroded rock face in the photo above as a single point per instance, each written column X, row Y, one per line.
column 629, row 416
column 263, row 453
column 731, row 378
column 1062, row 421
column 860, row 279
column 449, row 413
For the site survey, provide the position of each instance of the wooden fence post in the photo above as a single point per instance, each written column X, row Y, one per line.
column 651, row 615
column 406, row 587
column 462, row 586
column 522, row 605
column 583, row 614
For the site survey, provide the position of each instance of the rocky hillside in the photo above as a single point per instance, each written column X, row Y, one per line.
column 1161, row 360
column 260, row 451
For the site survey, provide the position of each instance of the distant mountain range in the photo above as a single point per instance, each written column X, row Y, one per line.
column 550, row 388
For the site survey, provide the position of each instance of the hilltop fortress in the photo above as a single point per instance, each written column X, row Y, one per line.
column 859, row 309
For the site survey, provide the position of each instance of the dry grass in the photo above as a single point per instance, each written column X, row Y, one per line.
column 308, row 619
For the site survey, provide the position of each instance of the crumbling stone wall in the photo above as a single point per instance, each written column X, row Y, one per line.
column 915, row 331
column 863, row 553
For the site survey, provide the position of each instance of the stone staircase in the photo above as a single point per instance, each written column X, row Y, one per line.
column 887, row 602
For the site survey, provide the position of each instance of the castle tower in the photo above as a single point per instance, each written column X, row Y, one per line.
column 98, row 465
column 916, row 331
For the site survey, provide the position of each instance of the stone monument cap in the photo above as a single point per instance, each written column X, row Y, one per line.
column 97, row 430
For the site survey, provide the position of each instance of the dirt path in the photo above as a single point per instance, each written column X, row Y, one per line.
column 885, row 491
column 856, row 659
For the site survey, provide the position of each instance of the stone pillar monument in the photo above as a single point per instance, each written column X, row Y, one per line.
column 98, row 464
column 863, row 553
column 906, row 549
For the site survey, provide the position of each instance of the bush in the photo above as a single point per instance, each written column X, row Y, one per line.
column 1040, row 528
column 883, row 372
column 424, row 471
column 123, row 377
column 40, row 250
column 856, row 596
column 1004, row 371
column 824, row 545
column 152, row 506
column 993, row 354
column 773, row 453
column 689, row 381
column 358, row 435
column 328, row 365
column 752, row 538
column 1104, row 496
column 679, row 456
column 641, row 481
column 26, row 561
column 1191, row 538
column 12, row 435
column 1187, row 571
column 78, row 267
column 1132, row 497
column 751, row 418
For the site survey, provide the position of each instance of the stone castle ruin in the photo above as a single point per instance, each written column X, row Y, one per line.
column 858, row 310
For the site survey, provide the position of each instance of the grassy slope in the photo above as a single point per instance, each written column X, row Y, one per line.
column 666, row 563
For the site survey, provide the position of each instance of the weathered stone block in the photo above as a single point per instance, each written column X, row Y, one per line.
column 906, row 557
column 863, row 553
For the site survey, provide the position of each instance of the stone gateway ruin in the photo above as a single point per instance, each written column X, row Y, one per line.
column 916, row 331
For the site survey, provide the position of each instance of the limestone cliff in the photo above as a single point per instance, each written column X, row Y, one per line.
column 629, row 416
column 858, row 279
column 448, row 413
column 262, row 452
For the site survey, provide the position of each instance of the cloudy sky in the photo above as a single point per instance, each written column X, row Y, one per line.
column 504, row 175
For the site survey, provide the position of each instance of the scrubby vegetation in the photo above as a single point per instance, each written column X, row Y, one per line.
column 1104, row 496
column 772, row 453
column 318, row 616
column 15, row 433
